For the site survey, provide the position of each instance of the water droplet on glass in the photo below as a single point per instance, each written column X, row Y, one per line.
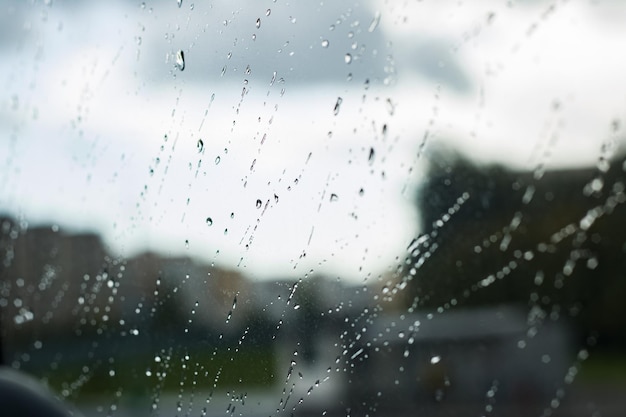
column 334, row 197
column 337, row 106
column 180, row 60
column 217, row 160
column 347, row 58
column 435, row 359
column 258, row 203
column 209, row 221
column 258, row 23
column 375, row 22
column 370, row 158
column 200, row 145
column 268, row 12
column 179, row 2
column 325, row 43
column 439, row 395
column 390, row 107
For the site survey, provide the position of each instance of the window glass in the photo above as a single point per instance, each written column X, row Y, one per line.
column 362, row 208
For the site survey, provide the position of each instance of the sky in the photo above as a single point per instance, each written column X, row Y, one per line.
column 293, row 139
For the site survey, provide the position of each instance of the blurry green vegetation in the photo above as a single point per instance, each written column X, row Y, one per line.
column 604, row 368
column 205, row 370
column 553, row 240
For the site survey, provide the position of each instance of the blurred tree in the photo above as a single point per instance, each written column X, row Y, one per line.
column 554, row 240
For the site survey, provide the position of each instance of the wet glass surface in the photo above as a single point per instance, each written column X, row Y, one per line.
column 359, row 208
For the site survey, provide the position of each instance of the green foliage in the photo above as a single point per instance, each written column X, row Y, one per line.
column 205, row 370
column 554, row 240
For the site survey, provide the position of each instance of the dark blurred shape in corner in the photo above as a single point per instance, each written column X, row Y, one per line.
column 23, row 396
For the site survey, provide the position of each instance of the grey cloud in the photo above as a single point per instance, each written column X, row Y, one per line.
column 289, row 41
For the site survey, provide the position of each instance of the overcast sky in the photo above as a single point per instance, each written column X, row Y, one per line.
column 100, row 129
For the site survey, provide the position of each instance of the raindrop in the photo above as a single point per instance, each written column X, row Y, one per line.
column 268, row 12
column 179, row 2
column 435, row 359
column 370, row 158
column 217, row 160
column 258, row 203
column 374, row 23
column 180, row 60
column 337, row 106
column 390, row 107
column 325, row 43
column 592, row 263
column 209, row 221
column 200, row 145
column 438, row 395
column 258, row 23
column 334, row 197
column 347, row 58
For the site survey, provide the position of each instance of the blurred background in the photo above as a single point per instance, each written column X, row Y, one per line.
column 346, row 208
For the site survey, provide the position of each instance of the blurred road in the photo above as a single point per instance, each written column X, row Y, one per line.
column 581, row 400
